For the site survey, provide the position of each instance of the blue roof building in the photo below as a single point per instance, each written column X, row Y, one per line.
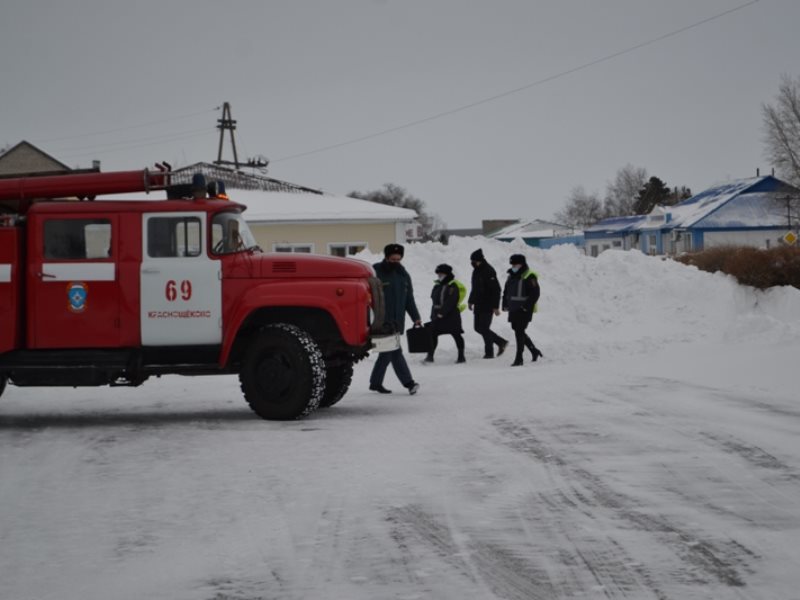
column 745, row 212
column 539, row 234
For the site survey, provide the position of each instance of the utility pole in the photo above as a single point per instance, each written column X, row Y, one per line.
column 228, row 123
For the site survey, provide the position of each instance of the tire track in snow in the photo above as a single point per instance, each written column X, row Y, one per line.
column 504, row 573
column 703, row 560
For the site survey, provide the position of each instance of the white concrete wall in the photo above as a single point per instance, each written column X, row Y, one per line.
column 320, row 235
column 756, row 239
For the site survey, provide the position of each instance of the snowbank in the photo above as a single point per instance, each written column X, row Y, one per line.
column 619, row 302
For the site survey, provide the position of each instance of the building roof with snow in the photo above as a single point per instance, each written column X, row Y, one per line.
column 738, row 204
column 534, row 228
column 292, row 207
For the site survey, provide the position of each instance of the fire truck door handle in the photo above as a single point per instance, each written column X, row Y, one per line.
column 150, row 270
column 46, row 276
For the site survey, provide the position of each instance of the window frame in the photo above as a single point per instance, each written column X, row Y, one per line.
column 177, row 218
column 87, row 221
column 347, row 246
column 293, row 247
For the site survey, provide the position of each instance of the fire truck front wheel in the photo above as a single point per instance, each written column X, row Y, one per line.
column 337, row 382
column 283, row 373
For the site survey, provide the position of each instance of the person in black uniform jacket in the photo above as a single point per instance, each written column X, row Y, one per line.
column 520, row 295
column 445, row 311
column 398, row 295
column 484, row 301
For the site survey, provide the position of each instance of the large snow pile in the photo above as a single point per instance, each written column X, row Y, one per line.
column 618, row 302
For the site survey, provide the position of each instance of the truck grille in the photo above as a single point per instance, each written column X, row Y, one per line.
column 284, row 267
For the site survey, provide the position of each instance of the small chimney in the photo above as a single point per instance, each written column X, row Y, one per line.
column 758, row 172
column 96, row 165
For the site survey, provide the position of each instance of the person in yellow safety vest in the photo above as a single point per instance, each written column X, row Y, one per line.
column 520, row 295
column 447, row 298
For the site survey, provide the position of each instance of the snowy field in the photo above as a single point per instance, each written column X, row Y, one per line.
column 653, row 453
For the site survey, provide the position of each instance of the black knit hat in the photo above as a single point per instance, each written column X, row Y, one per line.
column 477, row 255
column 517, row 259
column 390, row 249
column 443, row 268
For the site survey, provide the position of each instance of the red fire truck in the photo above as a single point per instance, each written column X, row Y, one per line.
column 112, row 292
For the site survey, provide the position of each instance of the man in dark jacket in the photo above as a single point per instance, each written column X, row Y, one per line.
column 446, row 310
column 520, row 295
column 484, row 301
column 398, row 297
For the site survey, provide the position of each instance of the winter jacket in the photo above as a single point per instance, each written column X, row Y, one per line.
column 444, row 301
column 485, row 291
column 398, row 294
column 521, row 293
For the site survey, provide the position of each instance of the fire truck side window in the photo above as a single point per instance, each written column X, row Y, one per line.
column 75, row 239
column 173, row 237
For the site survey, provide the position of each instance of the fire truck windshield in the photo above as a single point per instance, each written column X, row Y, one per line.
column 230, row 233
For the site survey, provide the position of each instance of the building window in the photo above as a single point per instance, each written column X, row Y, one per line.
column 301, row 248
column 594, row 249
column 73, row 239
column 172, row 237
column 616, row 243
column 346, row 249
column 652, row 245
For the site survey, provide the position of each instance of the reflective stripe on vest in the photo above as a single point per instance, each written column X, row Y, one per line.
column 519, row 297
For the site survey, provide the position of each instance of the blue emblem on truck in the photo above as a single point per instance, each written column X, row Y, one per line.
column 77, row 293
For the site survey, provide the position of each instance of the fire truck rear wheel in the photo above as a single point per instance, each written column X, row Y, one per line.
column 283, row 373
column 2, row 384
column 337, row 382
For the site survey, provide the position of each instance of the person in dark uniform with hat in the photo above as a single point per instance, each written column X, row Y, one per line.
column 520, row 295
column 446, row 308
column 484, row 302
column 398, row 295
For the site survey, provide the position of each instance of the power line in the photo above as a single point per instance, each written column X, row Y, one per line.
column 147, row 124
column 151, row 138
column 520, row 88
column 140, row 145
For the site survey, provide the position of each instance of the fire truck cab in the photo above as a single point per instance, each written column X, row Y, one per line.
column 111, row 292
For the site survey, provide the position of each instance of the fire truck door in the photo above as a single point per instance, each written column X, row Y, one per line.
column 73, row 283
column 181, row 287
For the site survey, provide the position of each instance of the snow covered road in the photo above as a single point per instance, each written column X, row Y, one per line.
column 602, row 471
column 643, row 484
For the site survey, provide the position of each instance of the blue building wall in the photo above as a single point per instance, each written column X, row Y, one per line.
column 575, row 240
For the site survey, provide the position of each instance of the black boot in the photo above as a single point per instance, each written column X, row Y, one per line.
column 429, row 357
column 535, row 354
column 501, row 347
column 518, row 360
column 461, row 358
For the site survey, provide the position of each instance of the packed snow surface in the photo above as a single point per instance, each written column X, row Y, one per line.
column 654, row 452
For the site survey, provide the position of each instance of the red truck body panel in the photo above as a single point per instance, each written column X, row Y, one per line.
column 11, row 278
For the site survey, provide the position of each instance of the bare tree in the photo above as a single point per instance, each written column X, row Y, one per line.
column 394, row 195
column 582, row 209
column 621, row 193
column 782, row 130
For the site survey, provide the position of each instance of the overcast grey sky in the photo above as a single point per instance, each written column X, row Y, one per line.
column 131, row 83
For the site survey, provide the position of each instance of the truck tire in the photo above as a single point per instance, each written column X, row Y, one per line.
column 337, row 382
column 283, row 373
column 3, row 380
